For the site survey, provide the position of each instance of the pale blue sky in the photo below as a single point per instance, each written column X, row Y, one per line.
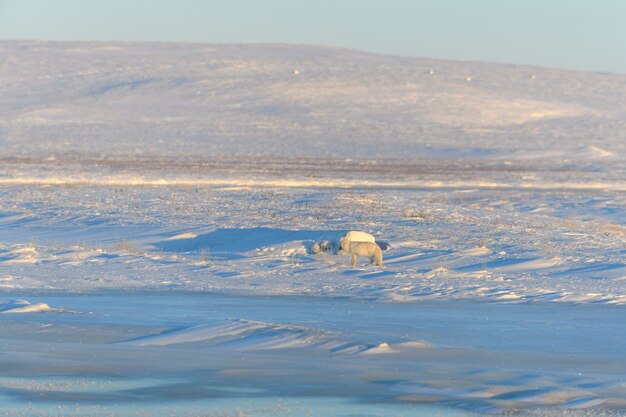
column 578, row 34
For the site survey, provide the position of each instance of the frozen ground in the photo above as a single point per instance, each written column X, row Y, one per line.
column 137, row 181
column 483, row 244
column 202, row 354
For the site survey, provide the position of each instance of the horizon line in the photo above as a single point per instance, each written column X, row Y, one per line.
column 312, row 45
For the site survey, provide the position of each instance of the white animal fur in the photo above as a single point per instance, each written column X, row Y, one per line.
column 356, row 236
column 367, row 249
column 323, row 246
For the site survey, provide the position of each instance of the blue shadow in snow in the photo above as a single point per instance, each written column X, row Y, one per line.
column 129, row 85
column 243, row 240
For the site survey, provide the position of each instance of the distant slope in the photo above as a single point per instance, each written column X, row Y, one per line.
column 199, row 99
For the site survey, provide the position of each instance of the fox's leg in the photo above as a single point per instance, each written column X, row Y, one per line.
column 353, row 259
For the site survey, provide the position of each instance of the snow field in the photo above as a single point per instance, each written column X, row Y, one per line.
column 224, row 100
column 448, row 244
column 462, row 358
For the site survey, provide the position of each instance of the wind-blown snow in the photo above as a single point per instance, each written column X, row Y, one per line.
column 24, row 306
column 249, row 335
column 467, row 243
column 213, row 169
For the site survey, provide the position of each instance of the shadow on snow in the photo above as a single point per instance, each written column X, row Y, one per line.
column 244, row 240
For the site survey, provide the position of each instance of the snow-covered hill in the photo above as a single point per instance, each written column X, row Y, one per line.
column 198, row 100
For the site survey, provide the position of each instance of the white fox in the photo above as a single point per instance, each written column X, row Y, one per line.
column 368, row 249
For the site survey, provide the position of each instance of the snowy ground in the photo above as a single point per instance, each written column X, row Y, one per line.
column 483, row 244
column 203, row 354
column 158, row 199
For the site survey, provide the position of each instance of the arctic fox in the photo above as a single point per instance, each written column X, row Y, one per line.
column 323, row 246
column 368, row 249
